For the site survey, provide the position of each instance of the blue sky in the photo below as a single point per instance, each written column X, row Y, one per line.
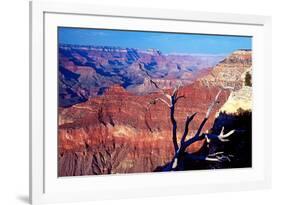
column 165, row 42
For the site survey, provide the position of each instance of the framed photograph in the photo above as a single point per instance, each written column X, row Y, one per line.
column 129, row 102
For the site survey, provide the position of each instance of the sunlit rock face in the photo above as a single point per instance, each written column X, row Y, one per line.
column 231, row 73
column 240, row 99
column 121, row 131
column 228, row 73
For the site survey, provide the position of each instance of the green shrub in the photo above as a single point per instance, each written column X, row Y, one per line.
column 248, row 79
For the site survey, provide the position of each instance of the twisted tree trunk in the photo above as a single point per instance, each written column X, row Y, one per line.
column 180, row 149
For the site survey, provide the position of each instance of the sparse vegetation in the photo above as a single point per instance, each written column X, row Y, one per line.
column 248, row 79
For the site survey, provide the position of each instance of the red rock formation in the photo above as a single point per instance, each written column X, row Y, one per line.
column 116, row 133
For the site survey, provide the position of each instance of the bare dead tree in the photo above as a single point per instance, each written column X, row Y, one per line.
column 170, row 100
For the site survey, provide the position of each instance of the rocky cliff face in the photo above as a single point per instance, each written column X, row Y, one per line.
column 86, row 71
column 231, row 72
column 240, row 99
column 119, row 121
column 118, row 132
column 228, row 72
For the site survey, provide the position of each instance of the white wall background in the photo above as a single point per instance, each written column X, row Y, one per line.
column 14, row 100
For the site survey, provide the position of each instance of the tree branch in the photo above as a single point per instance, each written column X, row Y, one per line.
column 218, row 157
column 212, row 104
column 197, row 136
column 179, row 97
column 221, row 137
column 201, row 126
column 172, row 98
column 175, row 91
column 214, row 157
column 174, row 124
column 154, row 83
column 191, row 141
column 210, row 108
column 187, row 121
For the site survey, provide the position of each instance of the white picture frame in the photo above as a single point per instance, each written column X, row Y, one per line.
column 46, row 187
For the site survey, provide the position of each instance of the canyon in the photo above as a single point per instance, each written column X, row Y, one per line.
column 109, row 119
column 87, row 71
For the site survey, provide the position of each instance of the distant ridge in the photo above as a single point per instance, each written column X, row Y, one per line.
column 87, row 71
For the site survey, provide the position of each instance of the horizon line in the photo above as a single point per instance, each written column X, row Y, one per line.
column 155, row 49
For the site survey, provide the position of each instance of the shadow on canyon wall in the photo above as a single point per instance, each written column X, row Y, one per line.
column 239, row 148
